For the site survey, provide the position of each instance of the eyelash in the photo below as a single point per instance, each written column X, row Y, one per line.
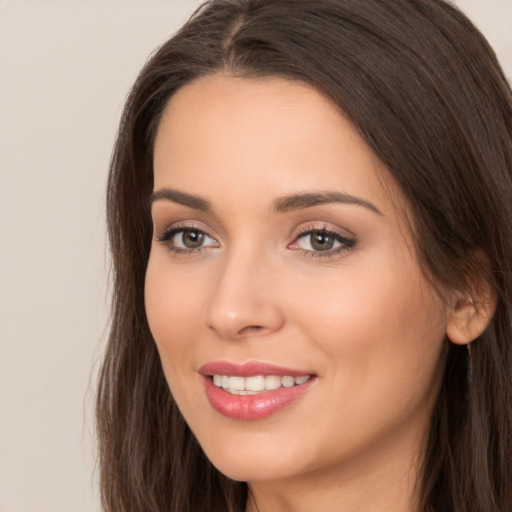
column 166, row 237
column 346, row 244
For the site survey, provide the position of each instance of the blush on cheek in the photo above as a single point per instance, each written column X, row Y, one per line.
column 173, row 312
column 365, row 316
column 166, row 299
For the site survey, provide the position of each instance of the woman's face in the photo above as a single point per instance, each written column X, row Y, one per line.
column 281, row 266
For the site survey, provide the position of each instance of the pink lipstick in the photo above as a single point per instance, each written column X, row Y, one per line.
column 252, row 390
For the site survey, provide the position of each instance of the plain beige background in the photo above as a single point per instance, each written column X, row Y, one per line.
column 65, row 68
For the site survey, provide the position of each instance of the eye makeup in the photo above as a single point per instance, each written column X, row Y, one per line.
column 314, row 240
column 186, row 239
column 324, row 242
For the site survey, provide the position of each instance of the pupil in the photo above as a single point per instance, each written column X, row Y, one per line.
column 322, row 242
column 192, row 239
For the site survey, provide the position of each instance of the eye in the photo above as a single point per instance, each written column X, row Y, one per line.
column 321, row 242
column 189, row 238
column 186, row 239
column 318, row 241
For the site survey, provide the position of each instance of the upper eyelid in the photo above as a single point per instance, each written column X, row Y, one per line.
column 165, row 238
column 297, row 232
column 344, row 240
column 183, row 226
column 163, row 222
column 327, row 227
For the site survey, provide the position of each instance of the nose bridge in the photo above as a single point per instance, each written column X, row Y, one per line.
column 243, row 301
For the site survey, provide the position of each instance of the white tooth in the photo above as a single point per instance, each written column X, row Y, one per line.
column 301, row 380
column 236, row 383
column 243, row 392
column 256, row 383
column 217, row 380
column 233, row 391
column 272, row 382
column 287, row 381
column 225, row 381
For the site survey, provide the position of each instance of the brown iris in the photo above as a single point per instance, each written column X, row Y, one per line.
column 321, row 241
column 192, row 239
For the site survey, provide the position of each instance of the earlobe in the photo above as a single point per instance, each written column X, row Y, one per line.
column 470, row 316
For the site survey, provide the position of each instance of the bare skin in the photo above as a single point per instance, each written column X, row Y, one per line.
column 333, row 289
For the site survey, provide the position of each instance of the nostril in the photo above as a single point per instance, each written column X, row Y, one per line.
column 250, row 329
column 245, row 331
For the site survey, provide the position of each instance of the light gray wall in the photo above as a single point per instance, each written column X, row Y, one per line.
column 65, row 68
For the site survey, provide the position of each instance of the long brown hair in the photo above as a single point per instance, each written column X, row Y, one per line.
column 425, row 91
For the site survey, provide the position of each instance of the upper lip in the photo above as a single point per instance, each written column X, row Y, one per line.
column 249, row 369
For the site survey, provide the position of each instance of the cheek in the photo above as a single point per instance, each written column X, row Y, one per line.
column 173, row 311
column 382, row 338
column 377, row 327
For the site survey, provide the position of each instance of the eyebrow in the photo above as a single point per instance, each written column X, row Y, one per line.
column 281, row 205
column 189, row 200
column 308, row 200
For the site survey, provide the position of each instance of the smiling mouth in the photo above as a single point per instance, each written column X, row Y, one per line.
column 253, row 390
column 256, row 384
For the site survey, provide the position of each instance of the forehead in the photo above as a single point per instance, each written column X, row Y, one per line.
column 222, row 132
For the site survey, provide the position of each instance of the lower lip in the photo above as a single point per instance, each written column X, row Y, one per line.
column 253, row 407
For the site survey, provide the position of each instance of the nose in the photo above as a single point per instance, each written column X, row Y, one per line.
column 244, row 300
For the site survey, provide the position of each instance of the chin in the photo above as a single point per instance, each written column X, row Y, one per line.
column 254, row 456
column 251, row 470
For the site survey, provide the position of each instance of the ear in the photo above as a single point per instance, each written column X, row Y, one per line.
column 471, row 313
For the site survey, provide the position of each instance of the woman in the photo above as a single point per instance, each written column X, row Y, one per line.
column 310, row 215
